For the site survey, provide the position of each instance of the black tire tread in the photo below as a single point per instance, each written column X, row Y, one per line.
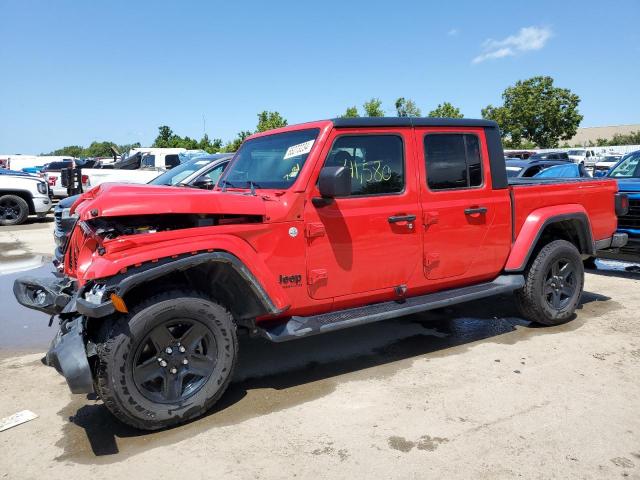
column 24, row 210
column 107, row 341
column 526, row 300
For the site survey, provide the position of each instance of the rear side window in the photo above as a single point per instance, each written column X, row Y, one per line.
column 376, row 162
column 452, row 160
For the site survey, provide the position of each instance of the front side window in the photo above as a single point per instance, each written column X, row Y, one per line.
column 215, row 173
column 452, row 160
column 628, row 167
column 272, row 161
column 376, row 162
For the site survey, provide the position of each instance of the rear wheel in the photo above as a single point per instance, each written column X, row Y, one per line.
column 553, row 284
column 167, row 362
column 14, row 210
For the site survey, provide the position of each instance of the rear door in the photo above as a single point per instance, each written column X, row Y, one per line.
column 466, row 223
column 367, row 241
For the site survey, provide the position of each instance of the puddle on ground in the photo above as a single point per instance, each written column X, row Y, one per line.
column 23, row 329
column 273, row 377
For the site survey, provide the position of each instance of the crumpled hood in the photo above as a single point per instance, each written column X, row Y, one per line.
column 118, row 199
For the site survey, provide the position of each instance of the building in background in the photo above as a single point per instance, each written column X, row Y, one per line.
column 591, row 134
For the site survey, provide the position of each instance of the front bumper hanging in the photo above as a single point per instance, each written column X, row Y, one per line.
column 68, row 355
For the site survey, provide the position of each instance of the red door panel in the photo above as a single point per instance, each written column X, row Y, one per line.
column 356, row 244
column 467, row 229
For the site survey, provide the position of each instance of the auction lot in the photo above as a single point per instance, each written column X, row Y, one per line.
column 468, row 392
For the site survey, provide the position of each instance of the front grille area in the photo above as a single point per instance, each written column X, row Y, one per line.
column 632, row 219
column 57, row 217
column 76, row 242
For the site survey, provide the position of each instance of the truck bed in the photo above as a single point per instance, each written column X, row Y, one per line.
column 595, row 195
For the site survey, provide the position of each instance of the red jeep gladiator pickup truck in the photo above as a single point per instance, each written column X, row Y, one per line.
column 312, row 228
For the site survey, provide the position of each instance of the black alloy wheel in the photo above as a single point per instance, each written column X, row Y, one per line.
column 560, row 283
column 174, row 360
column 9, row 209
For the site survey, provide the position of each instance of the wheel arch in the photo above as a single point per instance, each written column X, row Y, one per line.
column 24, row 194
column 220, row 275
column 545, row 225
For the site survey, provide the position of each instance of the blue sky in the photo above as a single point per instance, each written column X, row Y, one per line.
column 76, row 71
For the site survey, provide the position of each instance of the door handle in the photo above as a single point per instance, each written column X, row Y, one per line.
column 401, row 218
column 474, row 210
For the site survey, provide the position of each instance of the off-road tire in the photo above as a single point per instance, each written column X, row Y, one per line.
column 120, row 338
column 17, row 203
column 531, row 300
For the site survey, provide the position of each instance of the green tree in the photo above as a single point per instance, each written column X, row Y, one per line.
column 69, row 151
column 163, row 140
column 632, row 138
column 234, row 144
column 407, row 108
column 210, row 146
column 270, row 120
column 536, row 111
column 373, row 108
column 128, row 146
column 446, row 110
column 351, row 112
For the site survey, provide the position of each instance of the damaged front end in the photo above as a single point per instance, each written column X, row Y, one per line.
column 67, row 352
column 96, row 271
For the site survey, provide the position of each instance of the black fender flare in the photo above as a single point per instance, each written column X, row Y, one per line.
column 122, row 283
column 586, row 245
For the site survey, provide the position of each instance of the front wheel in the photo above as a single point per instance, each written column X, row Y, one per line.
column 167, row 362
column 14, row 210
column 553, row 284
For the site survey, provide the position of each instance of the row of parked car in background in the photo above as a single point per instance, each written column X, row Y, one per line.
column 33, row 190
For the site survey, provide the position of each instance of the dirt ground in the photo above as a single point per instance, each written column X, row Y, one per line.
column 471, row 392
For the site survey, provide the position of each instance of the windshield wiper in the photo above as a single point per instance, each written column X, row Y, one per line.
column 226, row 183
column 253, row 186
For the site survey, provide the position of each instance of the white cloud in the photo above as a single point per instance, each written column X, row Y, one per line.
column 527, row 39
column 453, row 32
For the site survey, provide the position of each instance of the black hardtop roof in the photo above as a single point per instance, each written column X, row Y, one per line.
column 360, row 122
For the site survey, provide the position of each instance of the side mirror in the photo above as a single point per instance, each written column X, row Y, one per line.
column 599, row 173
column 203, row 182
column 334, row 182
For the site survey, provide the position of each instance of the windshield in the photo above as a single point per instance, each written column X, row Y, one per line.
column 179, row 173
column 576, row 152
column 628, row 167
column 272, row 161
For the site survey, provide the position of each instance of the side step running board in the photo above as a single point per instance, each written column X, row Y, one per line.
column 298, row 327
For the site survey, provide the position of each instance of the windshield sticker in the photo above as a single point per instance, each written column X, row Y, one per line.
column 300, row 149
column 293, row 173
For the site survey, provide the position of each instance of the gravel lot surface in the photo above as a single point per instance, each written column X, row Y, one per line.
column 467, row 392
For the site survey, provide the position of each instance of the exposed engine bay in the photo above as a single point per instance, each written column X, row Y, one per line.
column 113, row 227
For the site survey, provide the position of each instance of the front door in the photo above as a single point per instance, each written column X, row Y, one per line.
column 369, row 240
